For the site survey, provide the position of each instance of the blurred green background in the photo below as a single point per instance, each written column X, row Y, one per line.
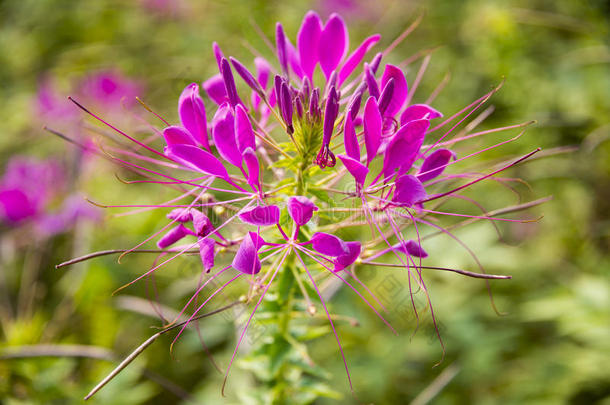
column 553, row 344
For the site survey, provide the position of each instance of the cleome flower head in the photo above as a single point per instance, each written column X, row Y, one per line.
column 297, row 153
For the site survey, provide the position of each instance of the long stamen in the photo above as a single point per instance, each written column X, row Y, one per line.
column 332, row 325
column 243, row 333
column 312, row 256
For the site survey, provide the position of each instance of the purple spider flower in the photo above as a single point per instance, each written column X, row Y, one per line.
column 269, row 166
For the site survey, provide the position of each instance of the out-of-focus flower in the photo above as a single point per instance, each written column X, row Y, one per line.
column 30, row 188
column 108, row 89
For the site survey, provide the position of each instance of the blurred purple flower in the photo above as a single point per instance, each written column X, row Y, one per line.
column 28, row 190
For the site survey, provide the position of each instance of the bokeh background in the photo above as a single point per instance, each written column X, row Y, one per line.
column 62, row 331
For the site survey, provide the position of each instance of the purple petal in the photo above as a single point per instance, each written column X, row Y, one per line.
column 308, row 40
column 404, row 147
column 246, row 259
column 197, row 159
column 386, row 96
column 375, row 63
column 328, row 244
column 223, row 133
column 201, row 223
column 330, row 115
column 178, row 136
column 413, row 248
column 354, row 105
column 400, row 89
column 306, row 87
column 355, row 168
column 333, row 44
column 409, row 190
column 215, row 88
column 372, row 129
column 206, row 252
column 286, row 103
column 192, row 114
column 371, row 82
column 217, row 54
column 243, row 128
column 301, row 209
column 253, row 167
column 259, row 242
column 15, row 205
column 280, row 45
column 261, row 216
column 418, row 111
column 298, row 106
column 246, row 76
column 343, row 261
column 435, row 164
column 314, row 103
column 356, row 57
column 180, row 215
column 173, row 236
column 350, row 139
column 227, row 77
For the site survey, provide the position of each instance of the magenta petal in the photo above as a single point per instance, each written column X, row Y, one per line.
column 355, row 168
column 409, row 190
column 435, row 164
column 401, row 89
column 372, row 129
column 371, row 82
column 178, row 136
column 414, row 249
column 215, row 88
column 328, row 244
column 217, row 54
column 197, row 159
column 261, row 216
column 229, row 81
column 202, row 224
column 173, row 236
column 206, row 252
column 308, row 40
column 404, row 147
column 258, row 240
column 385, row 98
column 243, row 129
column 301, row 209
column 356, row 57
column 280, row 47
column 192, row 114
column 343, row 261
column 352, row 147
column 333, row 44
column 246, row 259
column 418, row 111
column 223, row 133
column 246, row 76
column 180, row 215
column 15, row 205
